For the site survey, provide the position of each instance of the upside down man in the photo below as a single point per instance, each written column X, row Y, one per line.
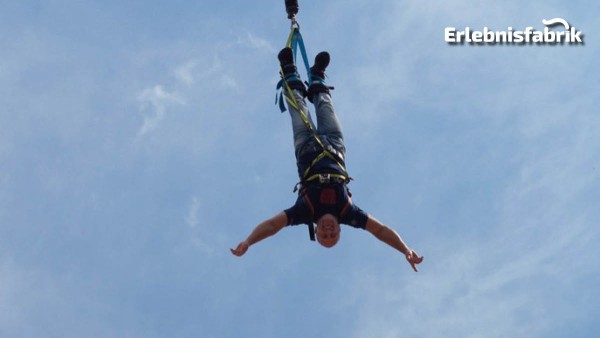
column 323, row 196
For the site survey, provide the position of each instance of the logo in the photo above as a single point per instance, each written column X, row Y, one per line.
column 529, row 35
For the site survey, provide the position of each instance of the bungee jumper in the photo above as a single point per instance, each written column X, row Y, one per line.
column 323, row 194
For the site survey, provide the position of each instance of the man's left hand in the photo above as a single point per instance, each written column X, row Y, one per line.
column 413, row 259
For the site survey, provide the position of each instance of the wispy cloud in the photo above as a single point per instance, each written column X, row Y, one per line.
column 190, row 72
column 185, row 72
column 154, row 101
column 256, row 42
column 194, row 70
column 198, row 235
column 490, row 288
column 192, row 216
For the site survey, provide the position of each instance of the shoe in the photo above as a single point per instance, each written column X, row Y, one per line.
column 290, row 73
column 316, row 83
column 285, row 57
column 321, row 62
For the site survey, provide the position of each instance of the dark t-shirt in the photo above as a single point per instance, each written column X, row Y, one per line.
column 316, row 200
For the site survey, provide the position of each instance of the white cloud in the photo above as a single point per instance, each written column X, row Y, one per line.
column 185, row 72
column 192, row 216
column 490, row 288
column 189, row 74
column 155, row 100
column 257, row 42
column 228, row 81
column 198, row 236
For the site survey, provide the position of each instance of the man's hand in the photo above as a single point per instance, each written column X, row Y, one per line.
column 265, row 229
column 391, row 238
column 413, row 259
column 241, row 249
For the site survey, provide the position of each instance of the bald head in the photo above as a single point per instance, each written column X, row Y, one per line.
column 328, row 230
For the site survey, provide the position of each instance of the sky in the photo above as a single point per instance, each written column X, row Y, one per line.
column 139, row 141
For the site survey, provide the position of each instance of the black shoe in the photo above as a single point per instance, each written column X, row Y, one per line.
column 290, row 74
column 317, row 76
column 321, row 62
column 286, row 57
column 286, row 61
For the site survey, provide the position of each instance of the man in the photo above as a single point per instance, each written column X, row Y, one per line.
column 323, row 197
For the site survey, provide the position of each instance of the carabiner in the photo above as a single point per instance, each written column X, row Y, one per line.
column 295, row 23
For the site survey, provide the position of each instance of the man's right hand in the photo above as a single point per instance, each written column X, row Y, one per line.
column 241, row 249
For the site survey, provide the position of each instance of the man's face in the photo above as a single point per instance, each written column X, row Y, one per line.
column 328, row 230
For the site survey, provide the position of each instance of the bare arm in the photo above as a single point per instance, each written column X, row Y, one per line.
column 265, row 229
column 391, row 238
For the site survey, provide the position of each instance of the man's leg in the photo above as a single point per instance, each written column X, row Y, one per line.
column 301, row 130
column 327, row 120
column 319, row 93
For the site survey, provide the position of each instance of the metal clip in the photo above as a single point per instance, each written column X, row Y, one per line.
column 295, row 23
column 298, row 186
column 324, row 178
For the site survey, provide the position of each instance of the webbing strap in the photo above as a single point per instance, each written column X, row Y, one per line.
column 328, row 176
column 296, row 42
column 311, row 231
column 323, row 154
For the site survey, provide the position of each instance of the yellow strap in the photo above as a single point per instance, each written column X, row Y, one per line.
column 317, row 176
column 325, row 153
column 289, row 40
column 314, row 162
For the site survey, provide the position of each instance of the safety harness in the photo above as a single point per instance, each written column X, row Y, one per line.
column 296, row 42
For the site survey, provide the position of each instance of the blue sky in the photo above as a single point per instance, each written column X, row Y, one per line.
column 139, row 141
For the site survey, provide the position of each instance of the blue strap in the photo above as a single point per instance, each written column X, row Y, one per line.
column 297, row 41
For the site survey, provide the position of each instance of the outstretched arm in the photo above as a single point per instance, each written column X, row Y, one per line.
column 265, row 229
column 391, row 238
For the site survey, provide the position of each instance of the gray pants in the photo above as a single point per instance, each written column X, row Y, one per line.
column 328, row 126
